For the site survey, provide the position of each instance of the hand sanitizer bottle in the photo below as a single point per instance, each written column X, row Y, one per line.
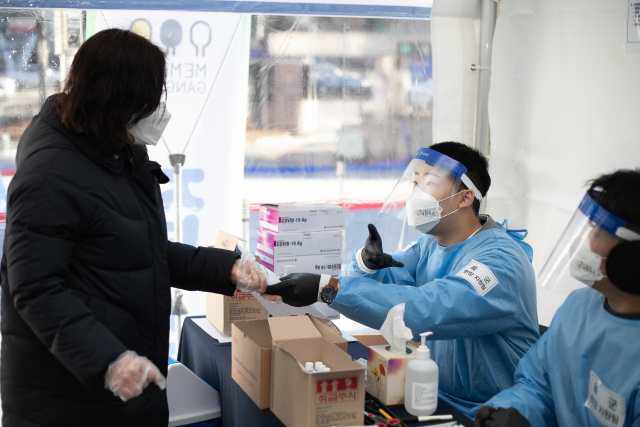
column 421, row 382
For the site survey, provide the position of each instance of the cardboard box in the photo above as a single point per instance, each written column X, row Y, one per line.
column 299, row 244
column 222, row 310
column 226, row 241
column 386, row 373
column 302, row 217
column 251, row 352
column 303, row 399
column 318, row 264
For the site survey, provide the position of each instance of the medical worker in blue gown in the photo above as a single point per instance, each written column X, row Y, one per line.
column 467, row 279
column 585, row 370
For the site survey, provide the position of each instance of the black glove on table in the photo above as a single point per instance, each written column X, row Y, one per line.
column 489, row 416
column 297, row 289
column 373, row 256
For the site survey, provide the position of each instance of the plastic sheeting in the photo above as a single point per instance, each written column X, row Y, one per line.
column 562, row 109
column 453, row 33
column 207, row 64
column 365, row 8
column 316, row 107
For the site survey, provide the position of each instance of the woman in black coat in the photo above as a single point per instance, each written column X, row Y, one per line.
column 87, row 267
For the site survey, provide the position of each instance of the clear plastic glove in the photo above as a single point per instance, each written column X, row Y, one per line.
column 247, row 274
column 130, row 374
column 272, row 279
column 273, row 298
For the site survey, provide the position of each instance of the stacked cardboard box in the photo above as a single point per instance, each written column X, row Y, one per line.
column 301, row 238
column 268, row 363
column 222, row 310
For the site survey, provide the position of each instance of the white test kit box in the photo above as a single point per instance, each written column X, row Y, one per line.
column 299, row 244
column 317, row 264
column 292, row 217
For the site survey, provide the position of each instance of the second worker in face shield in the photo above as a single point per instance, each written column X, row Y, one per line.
column 584, row 371
column 467, row 279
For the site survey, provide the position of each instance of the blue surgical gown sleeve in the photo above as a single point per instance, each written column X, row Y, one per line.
column 531, row 394
column 401, row 276
column 636, row 416
column 448, row 306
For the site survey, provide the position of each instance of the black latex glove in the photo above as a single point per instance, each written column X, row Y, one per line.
column 373, row 256
column 501, row 417
column 297, row 289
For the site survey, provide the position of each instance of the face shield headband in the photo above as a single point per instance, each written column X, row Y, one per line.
column 436, row 175
column 455, row 168
column 573, row 251
column 604, row 219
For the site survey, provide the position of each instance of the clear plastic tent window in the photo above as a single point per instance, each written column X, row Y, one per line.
column 272, row 102
column 335, row 106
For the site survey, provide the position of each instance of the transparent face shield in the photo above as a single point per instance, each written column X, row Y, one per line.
column 584, row 245
column 422, row 192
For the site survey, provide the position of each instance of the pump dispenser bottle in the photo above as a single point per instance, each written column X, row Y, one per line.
column 421, row 382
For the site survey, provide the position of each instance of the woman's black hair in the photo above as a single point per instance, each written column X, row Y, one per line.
column 619, row 193
column 116, row 77
column 476, row 163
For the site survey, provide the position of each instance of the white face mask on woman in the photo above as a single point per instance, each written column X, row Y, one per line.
column 149, row 130
column 424, row 210
column 585, row 265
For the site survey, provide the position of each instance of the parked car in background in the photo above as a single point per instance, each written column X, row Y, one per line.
column 331, row 81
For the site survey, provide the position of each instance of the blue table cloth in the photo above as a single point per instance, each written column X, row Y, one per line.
column 211, row 361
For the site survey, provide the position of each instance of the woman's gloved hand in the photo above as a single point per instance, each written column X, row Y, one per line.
column 372, row 255
column 247, row 274
column 297, row 289
column 130, row 374
column 489, row 416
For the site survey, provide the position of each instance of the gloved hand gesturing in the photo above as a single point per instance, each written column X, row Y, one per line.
column 297, row 289
column 372, row 255
column 130, row 374
column 247, row 274
column 489, row 416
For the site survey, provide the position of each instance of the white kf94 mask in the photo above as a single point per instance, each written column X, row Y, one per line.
column 424, row 210
column 149, row 130
column 585, row 265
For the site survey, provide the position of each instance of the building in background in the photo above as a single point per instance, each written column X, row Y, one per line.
column 325, row 89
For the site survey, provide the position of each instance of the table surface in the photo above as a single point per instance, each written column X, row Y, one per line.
column 211, row 361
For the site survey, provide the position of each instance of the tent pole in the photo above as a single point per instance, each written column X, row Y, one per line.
column 177, row 161
column 487, row 26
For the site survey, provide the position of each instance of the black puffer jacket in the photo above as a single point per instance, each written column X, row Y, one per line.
column 86, row 275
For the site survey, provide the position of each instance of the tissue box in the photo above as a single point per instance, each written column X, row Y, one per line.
column 386, row 373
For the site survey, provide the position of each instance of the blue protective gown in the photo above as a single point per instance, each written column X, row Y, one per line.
column 556, row 377
column 477, row 340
